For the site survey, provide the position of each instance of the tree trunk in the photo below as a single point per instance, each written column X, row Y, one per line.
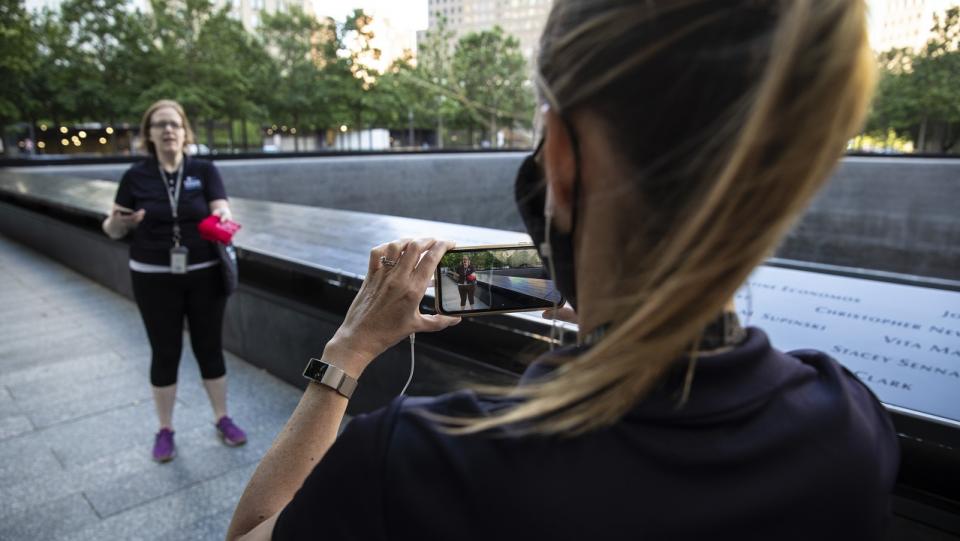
column 296, row 142
column 410, row 118
column 243, row 134
column 33, row 138
column 114, row 136
column 948, row 139
column 440, row 132
column 922, row 139
column 230, row 133
column 209, row 126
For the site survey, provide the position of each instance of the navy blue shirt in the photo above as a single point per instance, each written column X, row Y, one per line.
column 769, row 446
column 142, row 187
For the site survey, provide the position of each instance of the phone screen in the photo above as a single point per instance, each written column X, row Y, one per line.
column 493, row 279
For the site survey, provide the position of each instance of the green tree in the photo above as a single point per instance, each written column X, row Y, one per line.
column 50, row 86
column 298, row 43
column 184, row 67
column 919, row 92
column 357, row 52
column 491, row 78
column 17, row 60
column 433, row 77
column 105, row 43
column 401, row 101
column 230, row 55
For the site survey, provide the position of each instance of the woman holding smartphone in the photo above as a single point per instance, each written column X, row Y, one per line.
column 681, row 140
column 175, row 273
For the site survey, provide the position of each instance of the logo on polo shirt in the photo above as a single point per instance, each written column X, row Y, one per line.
column 191, row 183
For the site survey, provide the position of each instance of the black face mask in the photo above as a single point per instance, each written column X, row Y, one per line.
column 530, row 191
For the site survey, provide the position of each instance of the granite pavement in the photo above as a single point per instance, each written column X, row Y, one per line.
column 77, row 420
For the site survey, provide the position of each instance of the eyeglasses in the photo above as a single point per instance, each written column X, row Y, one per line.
column 162, row 125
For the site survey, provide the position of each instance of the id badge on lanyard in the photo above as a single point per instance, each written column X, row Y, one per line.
column 179, row 255
column 178, row 259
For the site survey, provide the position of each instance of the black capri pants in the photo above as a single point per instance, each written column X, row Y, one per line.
column 164, row 300
column 465, row 291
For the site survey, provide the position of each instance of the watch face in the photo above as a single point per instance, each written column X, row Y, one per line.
column 337, row 380
column 315, row 370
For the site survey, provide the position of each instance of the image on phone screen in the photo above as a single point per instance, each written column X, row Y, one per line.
column 493, row 279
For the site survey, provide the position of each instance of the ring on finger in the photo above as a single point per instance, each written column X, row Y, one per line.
column 387, row 262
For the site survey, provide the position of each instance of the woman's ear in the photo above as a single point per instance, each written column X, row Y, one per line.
column 559, row 166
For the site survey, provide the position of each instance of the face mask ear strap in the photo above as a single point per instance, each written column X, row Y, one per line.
column 575, row 145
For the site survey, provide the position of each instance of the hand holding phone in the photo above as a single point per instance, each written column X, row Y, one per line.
column 493, row 280
column 387, row 307
column 127, row 216
column 564, row 313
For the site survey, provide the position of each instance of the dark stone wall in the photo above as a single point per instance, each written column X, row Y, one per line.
column 889, row 214
column 897, row 215
column 268, row 330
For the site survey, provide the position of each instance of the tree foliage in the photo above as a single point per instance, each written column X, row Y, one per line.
column 106, row 61
column 18, row 48
column 489, row 73
column 918, row 94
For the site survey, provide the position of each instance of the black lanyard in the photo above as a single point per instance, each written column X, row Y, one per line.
column 173, row 194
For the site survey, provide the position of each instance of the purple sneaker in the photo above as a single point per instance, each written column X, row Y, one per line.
column 230, row 433
column 163, row 448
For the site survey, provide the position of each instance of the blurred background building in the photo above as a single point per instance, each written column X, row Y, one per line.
column 523, row 19
column 248, row 11
column 899, row 24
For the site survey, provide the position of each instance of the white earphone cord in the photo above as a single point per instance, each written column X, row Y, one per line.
column 413, row 338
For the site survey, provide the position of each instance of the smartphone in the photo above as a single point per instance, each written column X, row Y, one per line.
column 123, row 212
column 485, row 280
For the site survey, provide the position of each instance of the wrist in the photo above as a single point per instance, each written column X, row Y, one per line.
column 113, row 228
column 340, row 353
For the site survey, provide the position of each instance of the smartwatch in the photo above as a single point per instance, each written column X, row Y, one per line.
column 330, row 376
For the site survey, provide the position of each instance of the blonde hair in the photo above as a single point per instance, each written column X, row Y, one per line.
column 145, row 142
column 766, row 95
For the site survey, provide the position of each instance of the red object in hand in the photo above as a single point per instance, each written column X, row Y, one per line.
column 211, row 229
column 472, row 277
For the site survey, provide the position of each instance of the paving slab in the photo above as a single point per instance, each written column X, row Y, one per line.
column 184, row 508
column 14, row 426
column 24, row 457
column 50, row 521
column 77, row 419
column 212, row 527
column 66, row 369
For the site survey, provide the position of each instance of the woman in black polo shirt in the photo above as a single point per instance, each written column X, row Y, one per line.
column 681, row 140
column 466, row 281
column 174, row 271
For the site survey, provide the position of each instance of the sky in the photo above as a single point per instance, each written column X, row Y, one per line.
column 403, row 14
column 395, row 24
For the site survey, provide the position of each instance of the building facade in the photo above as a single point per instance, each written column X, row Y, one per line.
column 906, row 24
column 523, row 19
column 248, row 11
